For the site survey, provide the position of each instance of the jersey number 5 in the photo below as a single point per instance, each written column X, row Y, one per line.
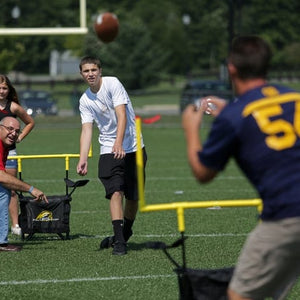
column 281, row 134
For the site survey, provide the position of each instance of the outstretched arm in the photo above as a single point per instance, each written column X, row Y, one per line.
column 13, row 183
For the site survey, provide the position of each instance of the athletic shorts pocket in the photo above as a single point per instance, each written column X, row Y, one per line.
column 109, row 166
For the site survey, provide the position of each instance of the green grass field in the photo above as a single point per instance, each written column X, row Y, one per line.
column 49, row 268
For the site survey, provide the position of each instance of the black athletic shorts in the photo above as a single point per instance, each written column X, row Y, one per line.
column 120, row 174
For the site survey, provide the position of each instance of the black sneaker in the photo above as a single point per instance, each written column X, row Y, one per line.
column 119, row 248
column 10, row 248
column 107, row 242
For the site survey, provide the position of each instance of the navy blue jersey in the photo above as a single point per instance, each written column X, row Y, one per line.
column 261, row 130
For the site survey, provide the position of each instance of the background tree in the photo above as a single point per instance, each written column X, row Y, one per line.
column 275, row 20
column 156, row 38
column 10, row 54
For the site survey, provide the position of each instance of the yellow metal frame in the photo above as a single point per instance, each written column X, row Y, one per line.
column 67, row 157
column 179, row 206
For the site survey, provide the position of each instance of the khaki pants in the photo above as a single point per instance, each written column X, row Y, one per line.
column 269, row 261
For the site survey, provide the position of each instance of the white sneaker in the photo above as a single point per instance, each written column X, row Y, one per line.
column 16, row 230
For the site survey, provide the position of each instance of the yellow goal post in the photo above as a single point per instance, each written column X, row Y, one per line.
column 82, row 29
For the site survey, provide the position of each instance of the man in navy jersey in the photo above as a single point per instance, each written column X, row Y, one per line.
column 261, row 131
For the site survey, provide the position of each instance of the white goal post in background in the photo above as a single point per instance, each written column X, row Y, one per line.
column 82, row 29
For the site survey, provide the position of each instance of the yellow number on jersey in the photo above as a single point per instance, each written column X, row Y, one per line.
column 281, row 134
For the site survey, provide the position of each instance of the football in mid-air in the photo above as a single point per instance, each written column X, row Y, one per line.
column 106, row 27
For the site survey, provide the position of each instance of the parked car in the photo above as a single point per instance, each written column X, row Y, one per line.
column 195, row 89
column 37, row 102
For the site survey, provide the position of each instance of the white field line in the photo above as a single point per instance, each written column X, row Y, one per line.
column 158, row 236
column 196, row 235
column 120, row 278
column 171, row 178
column 71, row 280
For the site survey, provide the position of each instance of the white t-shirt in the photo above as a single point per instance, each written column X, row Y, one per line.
column 100, row 107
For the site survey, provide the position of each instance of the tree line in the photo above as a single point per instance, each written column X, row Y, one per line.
column 158, row 38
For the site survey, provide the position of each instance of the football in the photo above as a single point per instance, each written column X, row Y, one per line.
column 106, row 27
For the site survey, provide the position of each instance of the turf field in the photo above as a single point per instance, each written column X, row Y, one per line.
column 49, row 268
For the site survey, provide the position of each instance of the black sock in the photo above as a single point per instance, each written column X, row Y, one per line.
column 127, row 228
column 118, row 230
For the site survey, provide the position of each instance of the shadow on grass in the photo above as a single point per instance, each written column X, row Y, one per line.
column 137, row 246
column 130, row 247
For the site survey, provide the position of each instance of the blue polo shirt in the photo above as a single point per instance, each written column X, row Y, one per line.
column 261, row 131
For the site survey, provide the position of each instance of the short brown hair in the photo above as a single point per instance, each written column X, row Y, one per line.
column 90, row 60
column 251, row 56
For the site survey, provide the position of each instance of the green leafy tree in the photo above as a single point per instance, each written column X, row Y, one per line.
column 156, row 37
column 275, row 20
column 165, row 27
column 10, row 54
column 207, row 33
column 291, row 55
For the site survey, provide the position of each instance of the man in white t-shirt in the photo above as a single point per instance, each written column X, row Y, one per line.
column 106, row 103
